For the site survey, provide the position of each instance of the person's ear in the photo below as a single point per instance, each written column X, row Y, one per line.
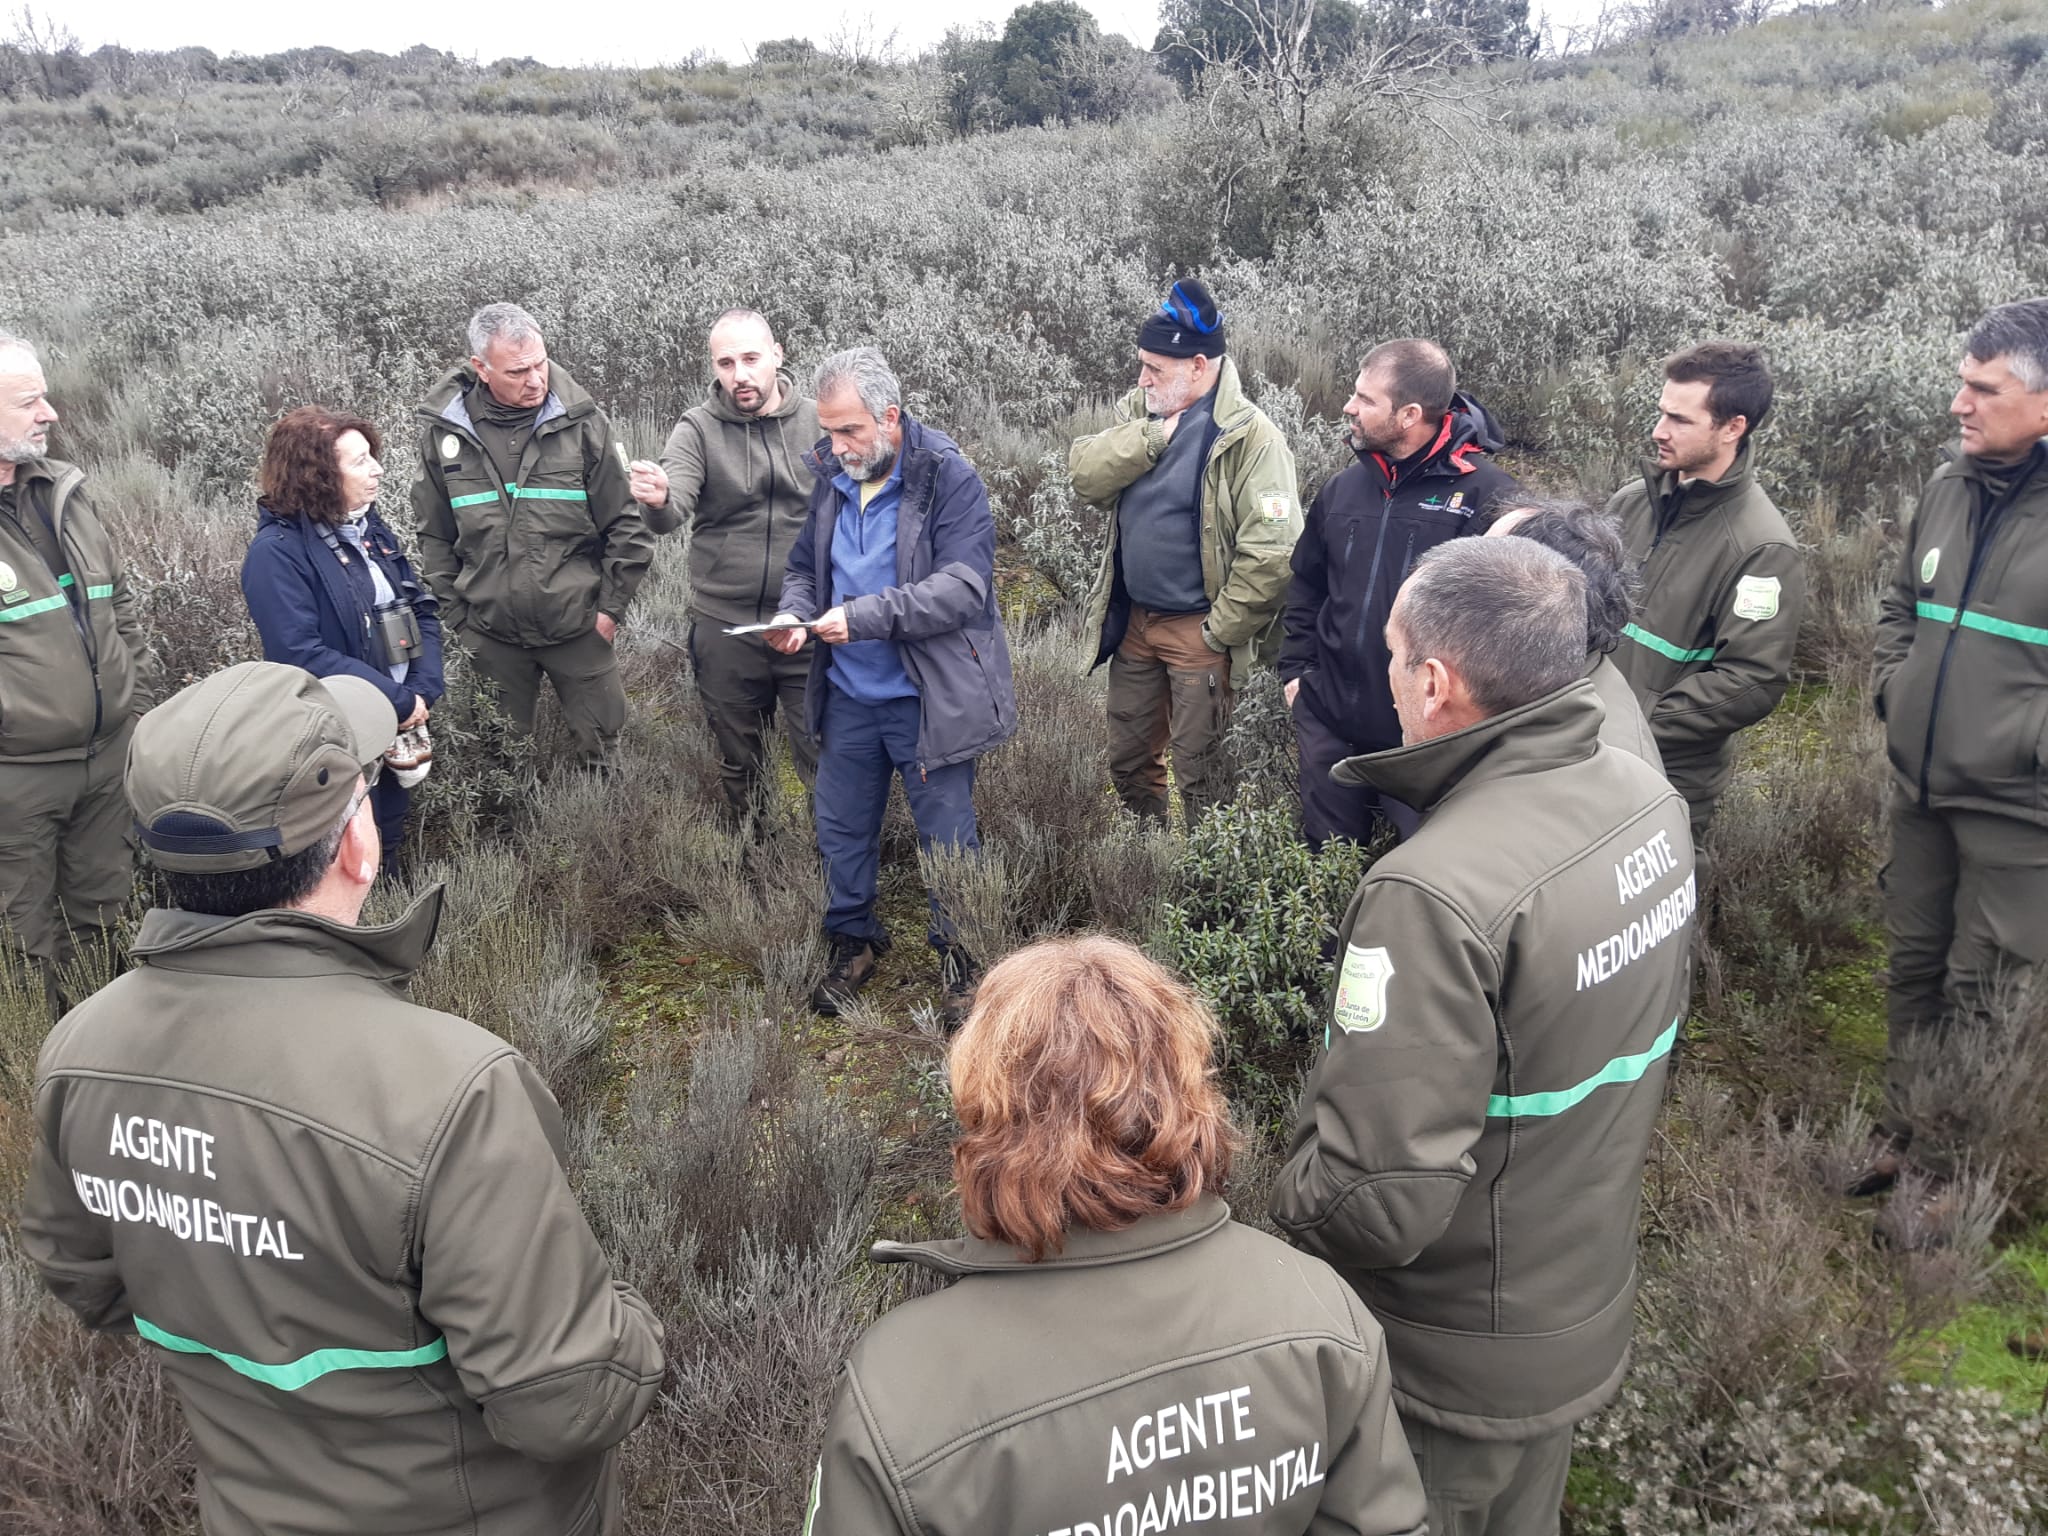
column 1436, row 687
column 1732, row 429
column 361, row 850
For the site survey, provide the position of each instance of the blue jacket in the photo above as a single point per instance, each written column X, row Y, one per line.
column 942, row 612
column 314, row 612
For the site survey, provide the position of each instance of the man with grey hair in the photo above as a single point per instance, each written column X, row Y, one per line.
column 1961, row 683
column 894, row 573
column 1591, row 540
column 73, row 664
column 529, row 533
column 1469, row 1150
column 733, row 470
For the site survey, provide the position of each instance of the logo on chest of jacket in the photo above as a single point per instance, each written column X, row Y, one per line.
column 451, row 445
column 1931, row 564
column 1361, row 1003
column 1756, row 597
column 8, row 582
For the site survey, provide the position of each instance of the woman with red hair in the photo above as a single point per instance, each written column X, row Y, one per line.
column 331, row 589
column 1118, row 1355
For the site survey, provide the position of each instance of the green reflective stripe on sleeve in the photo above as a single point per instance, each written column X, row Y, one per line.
column 1664, row 647
column 470, row 501
column 531, row 493
column 30, row 610
column 294, row 1374
column 2026, row 633
column 817, row 1487
column 96, row 592
column 1623, row 1069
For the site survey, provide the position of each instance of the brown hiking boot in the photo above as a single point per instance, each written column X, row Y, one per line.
column 1884, row 1158
column 1921, row 1214
column 854, row 962
column 961, row 976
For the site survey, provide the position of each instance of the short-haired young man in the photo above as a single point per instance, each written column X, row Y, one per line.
column 1962, row 685
column 1422, row 477
column 341, row 1219
column 1723, row 584
column 1469, row 1151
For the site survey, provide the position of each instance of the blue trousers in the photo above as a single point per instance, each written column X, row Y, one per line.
column 864, row 744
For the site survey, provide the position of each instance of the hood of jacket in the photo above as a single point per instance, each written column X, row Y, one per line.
column 720, row 404
column 284, row 942
column 1561, row 727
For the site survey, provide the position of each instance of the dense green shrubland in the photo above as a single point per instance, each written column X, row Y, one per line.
column 1850, row 190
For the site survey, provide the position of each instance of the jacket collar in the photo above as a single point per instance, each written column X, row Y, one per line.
column 1701, row 495
column 444, row 401
column 281, row 943
column 1084, row 1249
column 1559, row 728
column 920, row 443
column 2024, row 470
column 1227, row 403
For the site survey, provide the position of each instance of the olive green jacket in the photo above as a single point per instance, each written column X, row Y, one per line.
column 1962, row 645
column 1251, row 516
column 1187, row 1370
column 69, row 680
column 741, row 485
column 341, row 1221
column 1723, row 589
column 533, row 563
column 1626, row 726
column 1469, row 1149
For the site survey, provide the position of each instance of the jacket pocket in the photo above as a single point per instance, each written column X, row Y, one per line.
column 46, row 689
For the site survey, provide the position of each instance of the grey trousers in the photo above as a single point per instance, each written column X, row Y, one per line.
column 1490, row 1487
column 585, row 675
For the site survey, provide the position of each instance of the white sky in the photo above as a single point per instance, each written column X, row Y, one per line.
column 597, row 31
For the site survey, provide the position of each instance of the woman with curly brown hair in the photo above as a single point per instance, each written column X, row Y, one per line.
column 1118, row 1355
column 330, row 587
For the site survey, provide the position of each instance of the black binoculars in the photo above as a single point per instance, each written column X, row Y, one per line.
column 395, row 629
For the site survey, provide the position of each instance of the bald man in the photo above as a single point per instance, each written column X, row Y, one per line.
column 733, row 469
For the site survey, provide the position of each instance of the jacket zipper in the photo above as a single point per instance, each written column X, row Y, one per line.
column 768, row 535
column 1994, row 519
column 1372, row 579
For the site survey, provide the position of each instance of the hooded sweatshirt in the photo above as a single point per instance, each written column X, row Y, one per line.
column 742, row 485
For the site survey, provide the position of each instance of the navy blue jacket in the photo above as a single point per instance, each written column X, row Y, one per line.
column 942, row 611
column 314, row 612
column 1367, row 528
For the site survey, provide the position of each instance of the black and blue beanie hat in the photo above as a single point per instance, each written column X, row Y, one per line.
column 1187, row 324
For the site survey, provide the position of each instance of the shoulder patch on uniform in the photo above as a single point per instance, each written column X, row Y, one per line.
column 1361, row 1004
column 1275, row 508
column 1756, row 597
column 1930, row 564
column 451, row 445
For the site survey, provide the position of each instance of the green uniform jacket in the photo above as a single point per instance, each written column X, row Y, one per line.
column 1626, row 726
column 1187, row 1370
column 1723, row 589
column 343, row 1221
column 1251, row 516
column 533, row 563
column 739, row 481
column 68, row 683
column 1962, row 645
column 1470, row 1147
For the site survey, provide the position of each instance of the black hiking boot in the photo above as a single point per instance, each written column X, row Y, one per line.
column 1884, row 1158
column 960, row 976
column 854, row 962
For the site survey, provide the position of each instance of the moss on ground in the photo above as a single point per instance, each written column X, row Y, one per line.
column 1846, row 1001
column 1972, row 1348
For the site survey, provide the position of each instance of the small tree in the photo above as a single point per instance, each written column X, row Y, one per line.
column 1029, row 80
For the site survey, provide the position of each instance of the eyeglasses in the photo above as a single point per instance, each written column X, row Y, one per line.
column 1178, row 306
column 372, row 772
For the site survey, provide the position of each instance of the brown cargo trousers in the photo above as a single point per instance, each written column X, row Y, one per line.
column 1167, row 686
column 585, row 675
column 1490, row 1487
column 67, row 864
column 744, row 684
column 1966, row 913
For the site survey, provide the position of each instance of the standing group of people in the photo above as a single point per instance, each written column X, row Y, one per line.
column 254, row 1153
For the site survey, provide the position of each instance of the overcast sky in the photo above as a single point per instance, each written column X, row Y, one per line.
column 598, row 31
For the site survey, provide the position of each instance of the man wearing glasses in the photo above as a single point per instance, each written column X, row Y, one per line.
column 339, row 1218
column 1203, row 514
